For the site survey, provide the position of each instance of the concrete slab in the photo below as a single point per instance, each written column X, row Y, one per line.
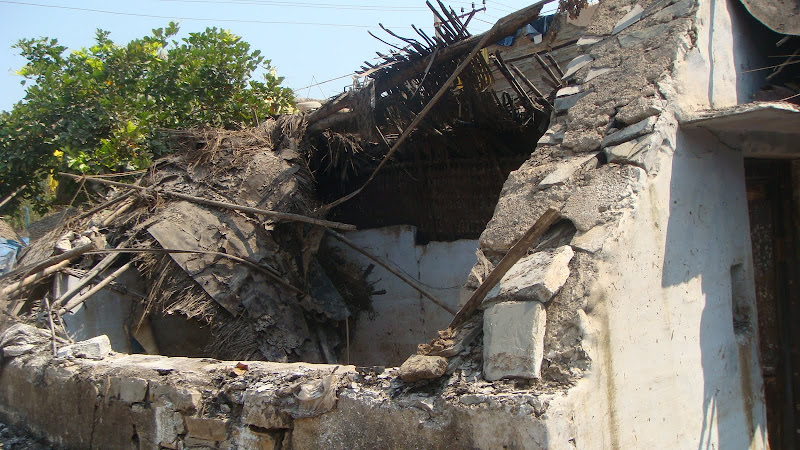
column 513, row 340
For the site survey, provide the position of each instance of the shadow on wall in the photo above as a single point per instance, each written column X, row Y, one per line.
column 707, row 242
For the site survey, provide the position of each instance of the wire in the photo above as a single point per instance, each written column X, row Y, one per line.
column 326, row 81
column 268, row 22
column 305, row 5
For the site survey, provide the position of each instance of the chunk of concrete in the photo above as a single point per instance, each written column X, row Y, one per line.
column 629, row 19
column 551, row 137
column 535, row 277
column 181, row 398
column 206, row 428
column 260, row 409
column 594, row 73
column 513, row 340
column 562, row 104
column 95, row 348
column 641, row 152
column 576, row 64
column 637, row 37
column 630, row 132
column 569, row 90
column 639, row 109
column 565, row 170
column 420, row 367
column 591, row 241
column 132, row 390
column 588, row 40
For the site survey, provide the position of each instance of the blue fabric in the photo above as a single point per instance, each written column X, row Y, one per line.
column 8, row 255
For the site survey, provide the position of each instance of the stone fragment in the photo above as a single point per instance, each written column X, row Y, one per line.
column 570, row 90
column 206, row 428
column 95, row 348
column 629, row 19
column 600, row 200
column 535, row 277
column 638, row 110
column 513, row 340
column 562, row 104
column 637, row 37
column 588, row 40
column 247, row 438
column 682, row 8
column 630, row 132
column 260, row 409
column 565, row 170
column 576, row 64
column 591, row 241
column 594, row 73
column 181, row 399
column 132, row 390
column 12, row 351
column 582, row 140
column 641, row 152
column 551, row 137
column 419, row 367
column 473, row 399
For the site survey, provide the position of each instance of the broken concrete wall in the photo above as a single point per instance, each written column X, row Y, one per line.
column 636, row 347
column 643, row 327
column 142, row 401
column 402, row 318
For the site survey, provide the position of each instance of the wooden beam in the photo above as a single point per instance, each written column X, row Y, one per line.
column 515, row 254
column 223, row 205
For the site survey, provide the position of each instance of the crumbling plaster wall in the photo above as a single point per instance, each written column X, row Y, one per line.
column 662, row 235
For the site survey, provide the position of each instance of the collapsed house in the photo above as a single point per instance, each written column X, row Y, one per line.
column 580, row 234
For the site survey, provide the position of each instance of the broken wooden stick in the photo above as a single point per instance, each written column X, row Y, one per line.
column 97, row 287
column 223, row 205
column 410, row 281
column 105, row 205
column 16, row 287
column 517, row 251
column 527, row 101
column 50, row 323
column 270, row 272
column 36, row 267
column 407, row 132
column 503, row 27
column 96, row 270
column 12, row 195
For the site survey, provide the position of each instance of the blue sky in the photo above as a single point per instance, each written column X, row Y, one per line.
column 309, row 42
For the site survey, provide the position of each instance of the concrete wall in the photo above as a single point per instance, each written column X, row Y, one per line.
column 106, row 312
column 668, row 368
column 403, row 318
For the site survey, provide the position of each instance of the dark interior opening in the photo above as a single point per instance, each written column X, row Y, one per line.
column 773, row 192
column 446, row 186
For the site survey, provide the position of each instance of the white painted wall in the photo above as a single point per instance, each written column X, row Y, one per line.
column 403, row 318
column 105, row 312
column 667, row 370
column 711, row 74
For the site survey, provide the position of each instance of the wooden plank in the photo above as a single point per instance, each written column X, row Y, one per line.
column 515, row 254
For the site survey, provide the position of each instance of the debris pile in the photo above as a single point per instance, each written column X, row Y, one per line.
column 191, row 228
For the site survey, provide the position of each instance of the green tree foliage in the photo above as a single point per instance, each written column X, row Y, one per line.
column 100, row 109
